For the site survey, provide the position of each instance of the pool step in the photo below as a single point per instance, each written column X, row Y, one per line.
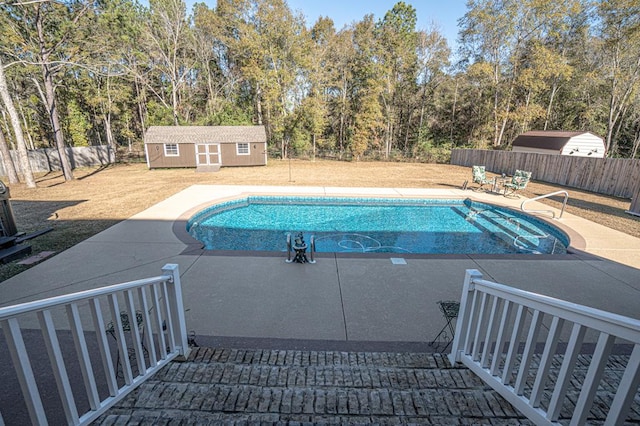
column 488, row 226
column 527, row 239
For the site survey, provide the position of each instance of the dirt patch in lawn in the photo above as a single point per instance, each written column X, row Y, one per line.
column 101, row 197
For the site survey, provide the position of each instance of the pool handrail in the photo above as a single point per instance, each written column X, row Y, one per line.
column 289, row 248
column 312, row 249
column 553, row 213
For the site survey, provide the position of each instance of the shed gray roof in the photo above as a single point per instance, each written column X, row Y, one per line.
column 203, row 134
column 552, row 140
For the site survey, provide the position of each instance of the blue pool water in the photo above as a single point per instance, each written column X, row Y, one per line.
column 374, row 225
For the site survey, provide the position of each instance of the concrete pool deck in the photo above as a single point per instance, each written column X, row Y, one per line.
column 341, row 298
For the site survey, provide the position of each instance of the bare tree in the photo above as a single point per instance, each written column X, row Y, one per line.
column 7, row 161
column 170, row 44
column 23, row 156
column 47, row 35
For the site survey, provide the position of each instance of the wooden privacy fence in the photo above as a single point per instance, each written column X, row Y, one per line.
column 619, row 177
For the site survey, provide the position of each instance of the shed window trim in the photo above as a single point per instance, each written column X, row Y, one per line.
column 171, row 150
column 242, row 148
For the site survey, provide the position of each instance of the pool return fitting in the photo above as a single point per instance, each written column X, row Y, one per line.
column 299, row 248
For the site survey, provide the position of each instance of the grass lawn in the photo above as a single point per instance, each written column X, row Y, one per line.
column 101, row 197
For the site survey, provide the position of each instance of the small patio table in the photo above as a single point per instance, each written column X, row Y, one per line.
column 449, row 309
column 498, row 182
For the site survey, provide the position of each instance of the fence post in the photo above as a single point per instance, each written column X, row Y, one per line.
column 464, row 315
column 177, row 310
column 634, row 208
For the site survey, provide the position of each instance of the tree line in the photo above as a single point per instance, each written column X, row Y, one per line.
column 80, row 72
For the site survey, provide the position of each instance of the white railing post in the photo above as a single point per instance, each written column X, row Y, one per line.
column 464, row 315
column 177, row 310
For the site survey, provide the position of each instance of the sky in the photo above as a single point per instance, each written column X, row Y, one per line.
column 443, row 13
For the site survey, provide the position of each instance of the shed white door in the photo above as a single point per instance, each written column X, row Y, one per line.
column 207, row 154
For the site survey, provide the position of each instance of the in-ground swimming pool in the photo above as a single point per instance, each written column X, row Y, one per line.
column 365, row 225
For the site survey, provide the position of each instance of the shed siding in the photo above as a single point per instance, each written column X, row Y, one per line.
column 157, row 159
column 256, row 155
column 584, row 144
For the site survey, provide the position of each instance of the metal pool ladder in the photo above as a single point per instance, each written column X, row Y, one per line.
column 553, row 213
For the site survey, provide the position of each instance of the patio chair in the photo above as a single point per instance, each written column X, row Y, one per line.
column 518, row 182
column 479, row 177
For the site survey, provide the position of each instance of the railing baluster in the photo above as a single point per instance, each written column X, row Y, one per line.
column 480, row 327
column 542, row 375
column 626, row 390
column 516, row 335
column 491, row 332
column 57, row 364
column 592, row 379
column 103, row 346
column 529, row 349
column 146, row 324
column 167, row 308
column 73, row 314
column 566, row 370
column 135, row 332
column 121, row 342
column 20, row 358
column 507, row 310
column 158, row 321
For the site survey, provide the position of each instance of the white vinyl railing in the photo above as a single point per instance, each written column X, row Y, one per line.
column 500, row 336
column 117, row 337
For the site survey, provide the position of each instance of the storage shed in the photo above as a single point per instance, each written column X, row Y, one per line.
column 579, row 144
column 207, row 148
